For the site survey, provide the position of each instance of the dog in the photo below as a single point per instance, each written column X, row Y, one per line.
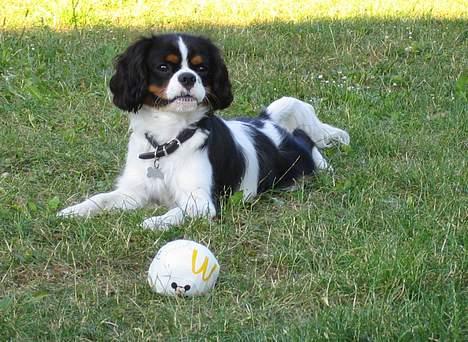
column 181, row 155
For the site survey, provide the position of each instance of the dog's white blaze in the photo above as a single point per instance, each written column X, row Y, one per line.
column 174, row 88
column 183, row 53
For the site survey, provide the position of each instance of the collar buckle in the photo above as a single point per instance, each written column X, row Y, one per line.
column 168, row 148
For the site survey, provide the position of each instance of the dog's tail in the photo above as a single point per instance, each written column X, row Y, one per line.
column 292, row 114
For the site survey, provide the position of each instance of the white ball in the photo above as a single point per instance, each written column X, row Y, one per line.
column 183, row 268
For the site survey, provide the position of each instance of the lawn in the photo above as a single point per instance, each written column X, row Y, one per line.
column 373, row 251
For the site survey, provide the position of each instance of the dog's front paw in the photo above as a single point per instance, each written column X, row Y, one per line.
column 164, row 222
column 157, row 223
column 84, row 209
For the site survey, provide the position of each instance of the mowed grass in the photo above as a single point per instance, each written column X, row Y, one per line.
column 374, row 251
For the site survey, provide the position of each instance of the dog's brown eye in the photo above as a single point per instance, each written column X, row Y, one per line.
column 201, row 68
column 163, row 67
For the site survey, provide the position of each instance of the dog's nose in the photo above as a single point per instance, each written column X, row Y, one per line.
column 187, row 79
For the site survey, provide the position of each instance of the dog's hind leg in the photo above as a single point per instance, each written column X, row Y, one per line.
column 292, row 114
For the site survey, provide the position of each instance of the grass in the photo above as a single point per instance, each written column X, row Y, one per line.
column 375, row 251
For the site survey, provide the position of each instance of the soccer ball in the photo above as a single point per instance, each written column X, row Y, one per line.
column 183, row 268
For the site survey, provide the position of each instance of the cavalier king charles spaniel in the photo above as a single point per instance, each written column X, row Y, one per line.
column 181, row 155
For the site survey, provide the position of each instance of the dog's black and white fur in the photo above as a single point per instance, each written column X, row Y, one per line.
column 171, row 84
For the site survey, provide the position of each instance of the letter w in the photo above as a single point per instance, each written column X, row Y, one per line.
column 203, row 267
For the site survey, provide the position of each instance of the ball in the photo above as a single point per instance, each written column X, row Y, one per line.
column 183, row 268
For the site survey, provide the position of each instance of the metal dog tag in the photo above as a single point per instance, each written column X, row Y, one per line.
column 154, row 172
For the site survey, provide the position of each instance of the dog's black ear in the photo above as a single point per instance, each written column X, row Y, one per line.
column 221, row 96
column 129, row 84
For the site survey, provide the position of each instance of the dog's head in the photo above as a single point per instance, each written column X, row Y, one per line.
column 173, row 72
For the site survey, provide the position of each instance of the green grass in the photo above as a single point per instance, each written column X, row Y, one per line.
column 375, row 251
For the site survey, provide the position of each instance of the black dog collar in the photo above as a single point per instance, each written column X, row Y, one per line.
column 169, row 147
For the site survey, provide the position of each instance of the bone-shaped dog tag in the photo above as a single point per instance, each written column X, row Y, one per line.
column 154, row 172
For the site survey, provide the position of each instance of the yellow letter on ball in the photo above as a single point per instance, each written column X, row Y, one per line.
column 203, row 267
